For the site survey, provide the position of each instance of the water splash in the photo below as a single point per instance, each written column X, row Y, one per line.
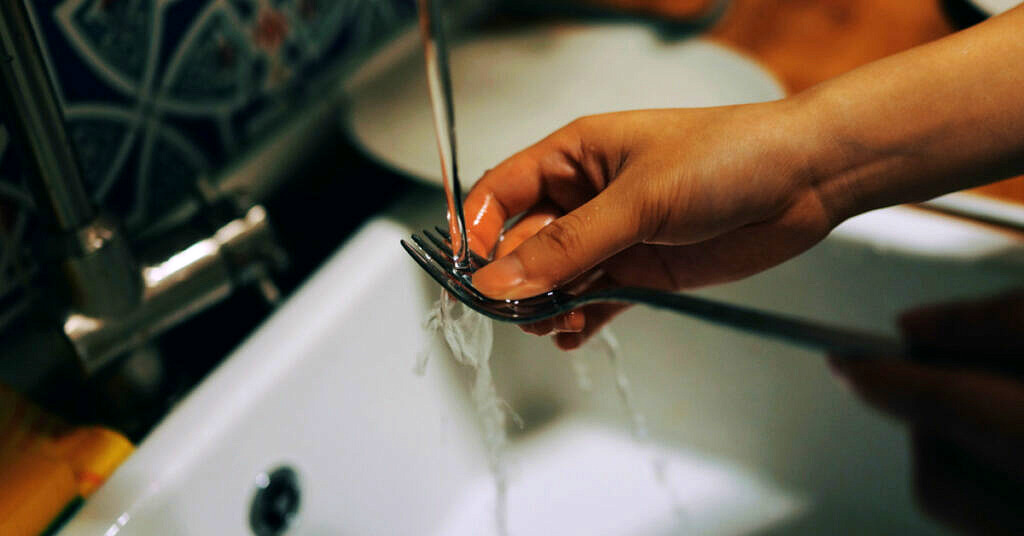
column 582, row 371
column 439, row 83
column 608, row 345
column 470, row 337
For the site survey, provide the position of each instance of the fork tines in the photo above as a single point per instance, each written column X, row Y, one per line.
column 435, row 270
column 446, row 249
column 435, row 256
column 476, row 261
column 438, row 261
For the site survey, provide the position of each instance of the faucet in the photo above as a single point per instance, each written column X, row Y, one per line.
column 99, row 266
column 116, row 302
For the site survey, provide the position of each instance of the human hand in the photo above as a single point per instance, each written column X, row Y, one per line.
column 964, row 405
column 681, row 198
column 665, row 199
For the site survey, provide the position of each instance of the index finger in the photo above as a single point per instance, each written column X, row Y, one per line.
column 546, row 170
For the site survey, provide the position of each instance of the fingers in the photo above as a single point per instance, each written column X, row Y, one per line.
column 574, row 329
column 530, row 224
column 564, row 249
column 727, row 257
column 510, row 188
column 597, row 316
column 982, row 413
column 576, row 320
column 571, row 322
column 956, row 489
column 968, row 422
column 546, row 171
column 991, row 328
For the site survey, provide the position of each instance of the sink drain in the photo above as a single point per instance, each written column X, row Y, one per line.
column 276, row 502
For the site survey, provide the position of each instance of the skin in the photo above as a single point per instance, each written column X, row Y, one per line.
column 964, row 404
column 681, row 198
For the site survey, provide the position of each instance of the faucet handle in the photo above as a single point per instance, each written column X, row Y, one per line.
column 268, row 288
column 249, row 241
column 250, row 247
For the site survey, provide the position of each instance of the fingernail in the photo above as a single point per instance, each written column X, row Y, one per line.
column 571, row 322
column 505, row 279
column 539, row 328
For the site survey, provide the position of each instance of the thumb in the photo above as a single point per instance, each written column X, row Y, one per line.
column 564, row 249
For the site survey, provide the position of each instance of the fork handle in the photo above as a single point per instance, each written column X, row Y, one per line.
column 846, row 342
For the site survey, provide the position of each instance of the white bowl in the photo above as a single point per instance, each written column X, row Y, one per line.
column 515, row 87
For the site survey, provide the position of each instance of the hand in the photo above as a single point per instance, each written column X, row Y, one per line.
column 964, row 405
column 667, row 199
column 675, row 199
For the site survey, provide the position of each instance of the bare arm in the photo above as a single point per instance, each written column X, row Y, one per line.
column 681, row 198
column 938, row 118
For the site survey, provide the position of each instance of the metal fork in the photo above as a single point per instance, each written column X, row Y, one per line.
column 433, row 253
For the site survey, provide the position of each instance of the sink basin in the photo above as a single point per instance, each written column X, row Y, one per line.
column 751, row 436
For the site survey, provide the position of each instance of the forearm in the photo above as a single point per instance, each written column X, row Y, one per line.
column 935, row 119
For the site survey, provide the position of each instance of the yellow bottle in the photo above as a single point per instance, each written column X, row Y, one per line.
column 46, row 465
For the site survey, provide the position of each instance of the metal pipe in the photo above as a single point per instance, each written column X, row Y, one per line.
column 31, row 105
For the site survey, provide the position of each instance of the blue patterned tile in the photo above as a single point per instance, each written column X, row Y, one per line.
column 157, row 92
column 16, row 211
column 112, row 32
column 192, row 77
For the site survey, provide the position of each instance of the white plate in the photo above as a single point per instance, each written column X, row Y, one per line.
column 994, row 7
column 514, row 88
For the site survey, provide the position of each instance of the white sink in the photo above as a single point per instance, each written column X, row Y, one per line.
column 755, row 435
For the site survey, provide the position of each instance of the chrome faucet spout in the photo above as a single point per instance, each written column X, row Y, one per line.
column 31, row 106
column 115, row 303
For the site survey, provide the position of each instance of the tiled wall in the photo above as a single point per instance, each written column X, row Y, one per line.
column 156, row 92
column 16, row 217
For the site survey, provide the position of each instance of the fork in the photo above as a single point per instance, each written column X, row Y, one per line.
column 433, row 253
